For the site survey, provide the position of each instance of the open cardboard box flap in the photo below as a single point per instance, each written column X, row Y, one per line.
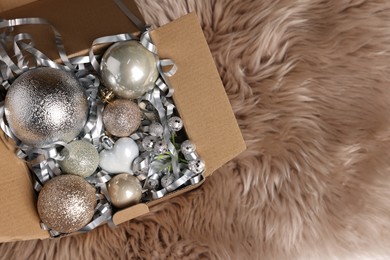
column 199, row 96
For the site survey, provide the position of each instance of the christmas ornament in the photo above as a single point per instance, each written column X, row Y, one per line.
column 122, row 117
column 187, row 147
column 196, row 166
column 124, row 190
column 152, row 183
column 81, row 158
column 156, row 129
column 175, row 123
column 129, row 69
column 46, row 105
column 160, row 147
column 148, row 142
column 66, row 203
column 166, row 180
column 120, row 157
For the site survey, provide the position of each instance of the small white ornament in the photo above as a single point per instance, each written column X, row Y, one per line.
column 120, row 157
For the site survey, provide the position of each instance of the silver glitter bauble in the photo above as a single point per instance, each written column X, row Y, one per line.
column 46, row 105
column 175, row 123
column 196, row 166
column 167, row 180
column 122, row 117
column 187, row 147
column 129, row 69
column 160, row 147
column 66, row 203
column 81, row 158
column 156, row 129
column 124, row 190
column 148, row 142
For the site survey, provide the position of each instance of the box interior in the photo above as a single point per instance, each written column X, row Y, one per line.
column 199, row 96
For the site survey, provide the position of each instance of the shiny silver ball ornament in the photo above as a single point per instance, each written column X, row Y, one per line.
column 160, row 147
column 196, row 166
column 124, row 190
column 187, row 147
column 148, row 142
column 175, row 123
column 46, row 105
column 129, row 69
column 156, row 129
column 66, row 203
column 80, row 158
column 122, row 117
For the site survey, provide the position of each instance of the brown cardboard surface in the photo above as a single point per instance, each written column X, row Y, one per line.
column 10, row 4
column 199, row 94
column 79, row 22
column 18, row 216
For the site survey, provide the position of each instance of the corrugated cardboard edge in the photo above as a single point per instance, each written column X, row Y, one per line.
column 19, row 218
column 199, row 94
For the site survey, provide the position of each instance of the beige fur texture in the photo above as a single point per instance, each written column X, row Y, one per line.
column 309, row 82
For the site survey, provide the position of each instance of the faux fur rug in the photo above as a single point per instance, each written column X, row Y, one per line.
column 309, row 82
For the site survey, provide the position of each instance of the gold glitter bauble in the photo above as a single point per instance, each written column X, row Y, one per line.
column 124, row 190
column 122, row 117
column 66, row 203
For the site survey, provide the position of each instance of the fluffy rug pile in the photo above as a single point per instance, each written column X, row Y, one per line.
column 309, row 82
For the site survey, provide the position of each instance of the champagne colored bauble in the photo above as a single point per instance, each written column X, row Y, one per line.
column 124, row 190
column 46, row 105
column 80, row 158
column 122, row 117
column 129, row 69
column 66, row 203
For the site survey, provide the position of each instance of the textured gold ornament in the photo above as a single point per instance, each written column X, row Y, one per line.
column 122, row 117
column 66, row 203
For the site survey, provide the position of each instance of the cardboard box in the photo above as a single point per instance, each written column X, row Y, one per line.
column 199, row 96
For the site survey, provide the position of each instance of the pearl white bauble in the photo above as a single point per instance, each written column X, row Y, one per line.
column 129, row 69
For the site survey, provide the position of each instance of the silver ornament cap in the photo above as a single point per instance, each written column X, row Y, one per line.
column 129, row 69
column 46, row 105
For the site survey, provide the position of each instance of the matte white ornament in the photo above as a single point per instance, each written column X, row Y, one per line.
column 120, row 157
